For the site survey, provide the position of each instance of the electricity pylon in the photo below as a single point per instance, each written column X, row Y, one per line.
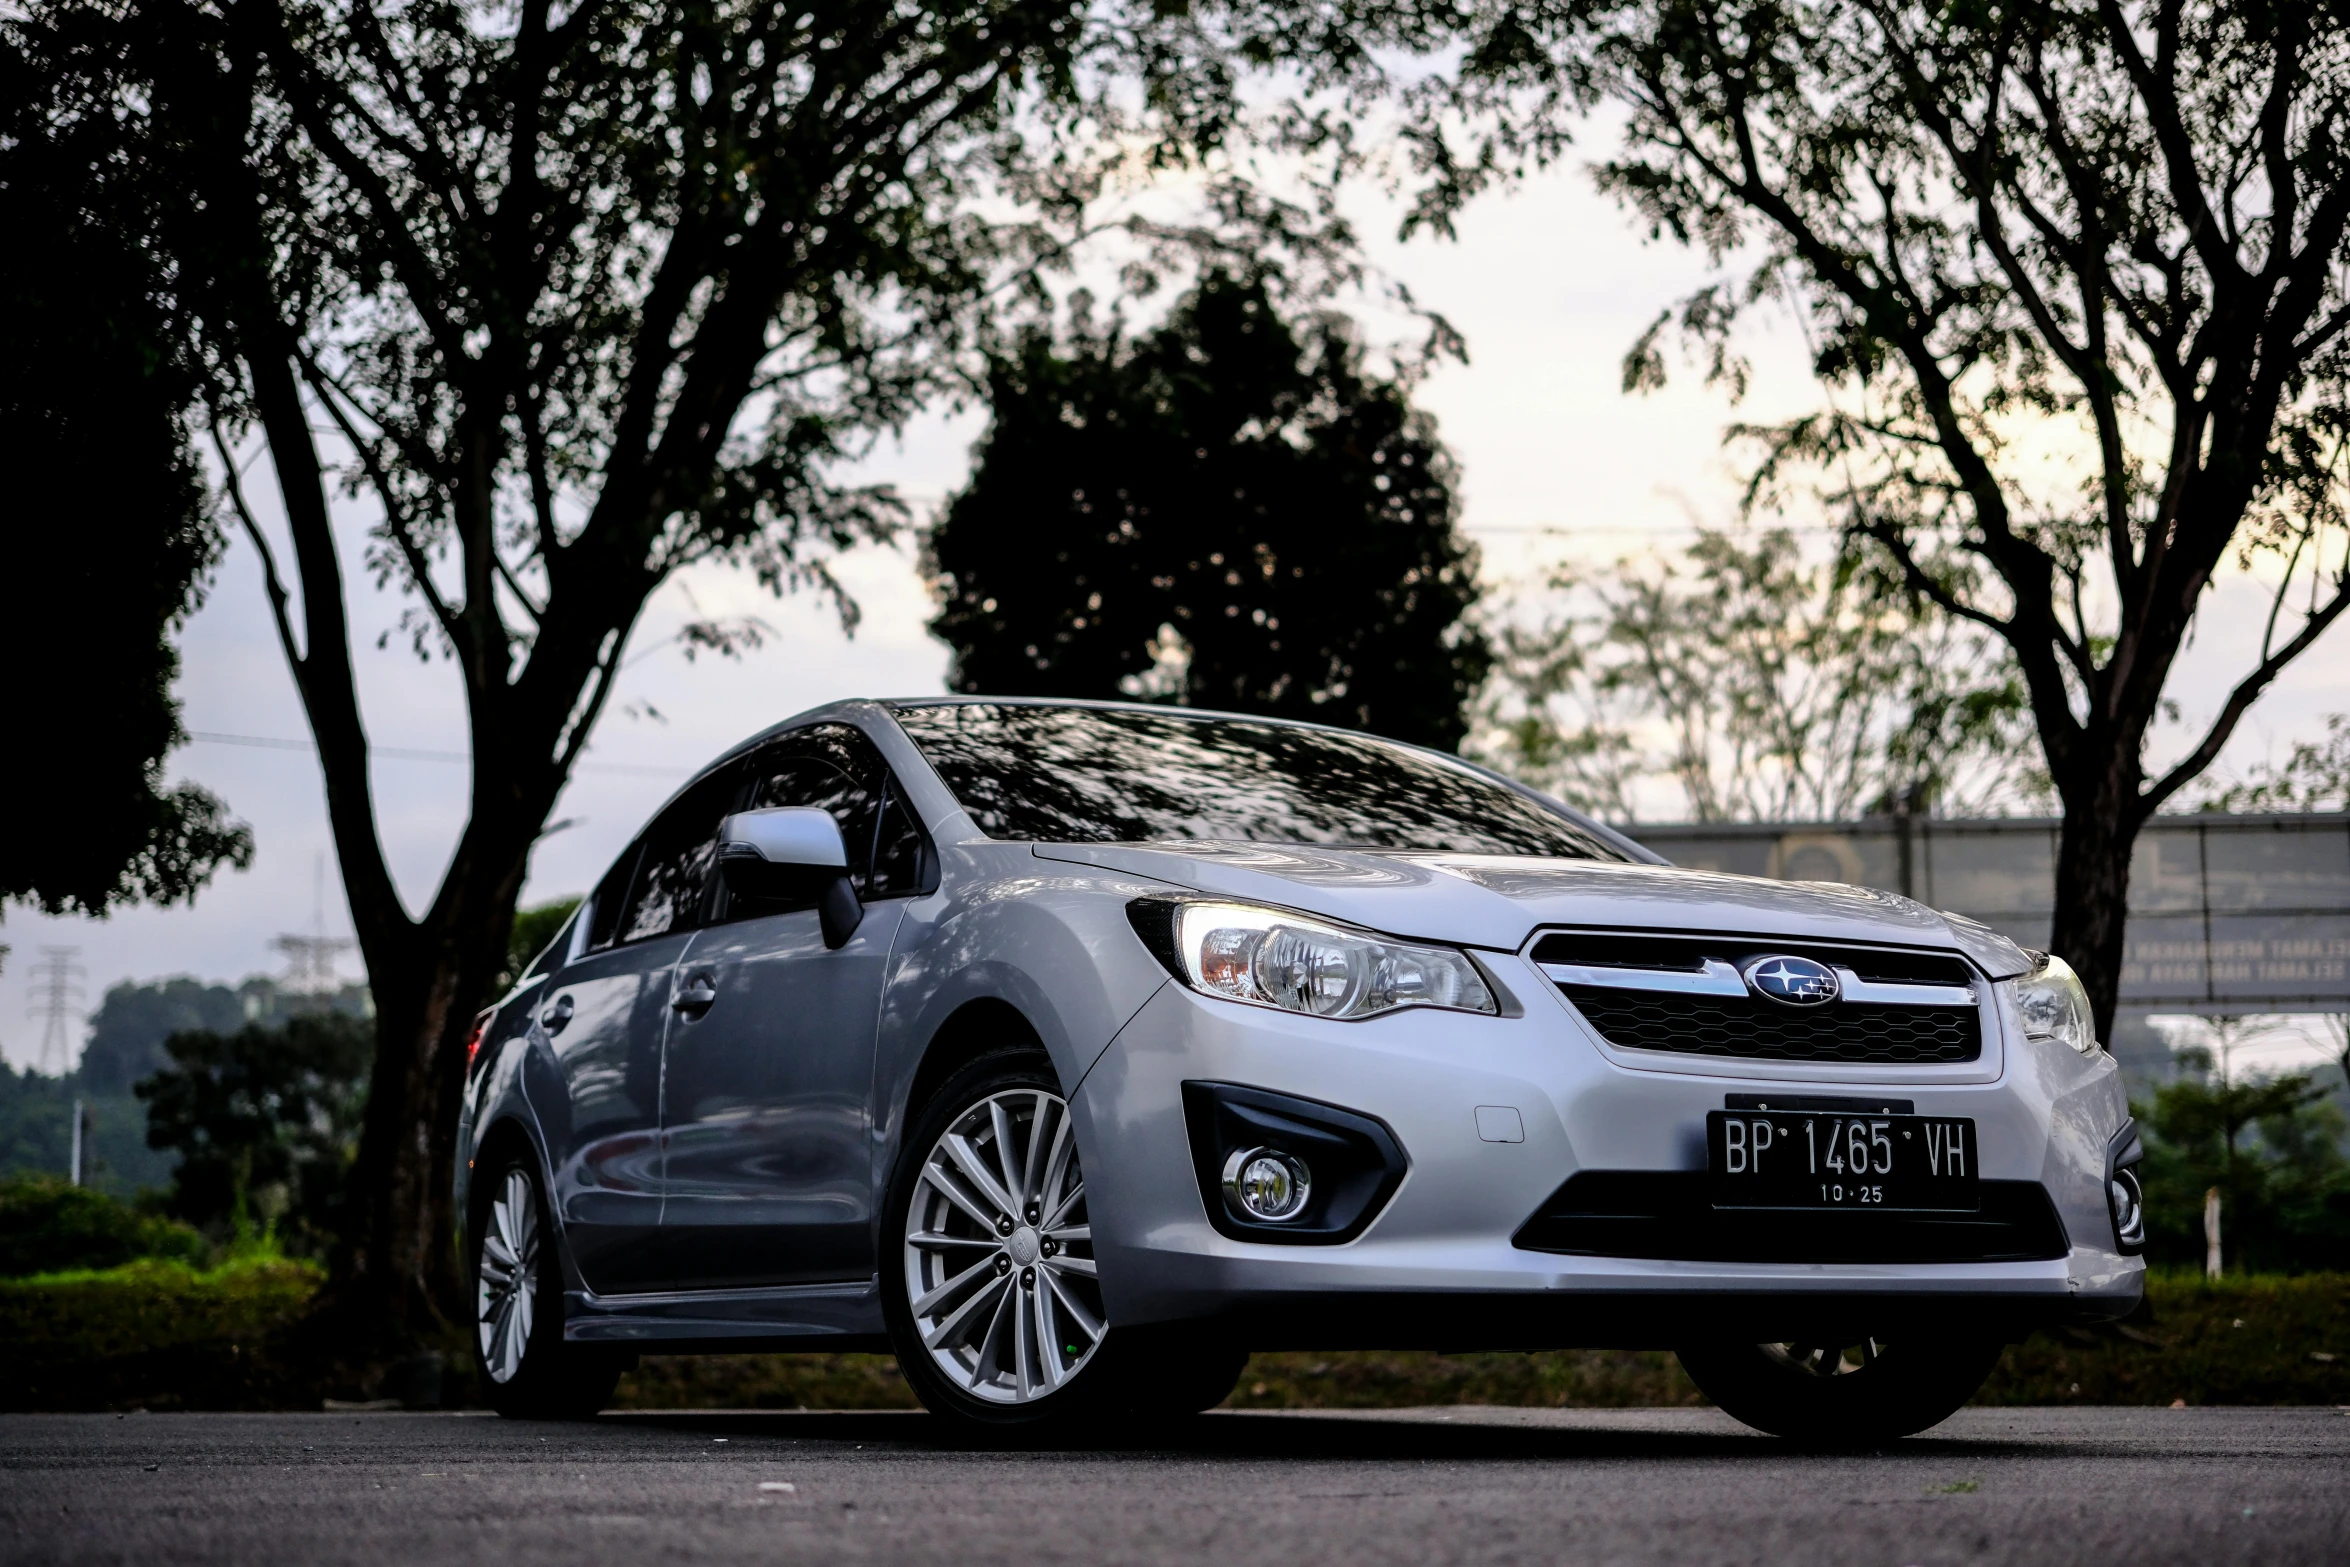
column 310, row 960
column 57, row 995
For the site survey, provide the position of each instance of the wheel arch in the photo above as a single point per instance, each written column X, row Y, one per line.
column 979, row 1025
column 505, row 1135
column 510, row 1134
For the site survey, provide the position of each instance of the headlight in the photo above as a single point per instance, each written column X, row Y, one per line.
column 2053, row 1005
column 1269, row 958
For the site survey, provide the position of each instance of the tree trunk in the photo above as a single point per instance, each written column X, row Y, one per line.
column 400, row 1272
column 2093, row 850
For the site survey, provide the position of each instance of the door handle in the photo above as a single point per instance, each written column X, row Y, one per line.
column 554, row 1017
column 696, row 996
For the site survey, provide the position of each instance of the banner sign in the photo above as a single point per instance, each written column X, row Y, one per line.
column 2227, row 913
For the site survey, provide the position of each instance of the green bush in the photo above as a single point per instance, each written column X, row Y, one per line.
column 160, row 1335
column 47, row 1226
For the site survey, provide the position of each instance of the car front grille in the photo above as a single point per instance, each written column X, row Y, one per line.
column 1702, row 1026
column 1681, row 995
column 1669, row 1215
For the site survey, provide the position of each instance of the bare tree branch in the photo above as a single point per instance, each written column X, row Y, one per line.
column 273, row 584
column 2239, row 702
column 395, row 508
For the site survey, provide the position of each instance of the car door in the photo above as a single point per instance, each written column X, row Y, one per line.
column 768, row 1118
column 605, row 1018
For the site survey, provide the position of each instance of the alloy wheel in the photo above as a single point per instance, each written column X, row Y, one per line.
column 507, row 1279
column 999, row 1254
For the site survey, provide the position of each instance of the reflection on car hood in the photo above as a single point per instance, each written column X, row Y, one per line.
column 1498, row 900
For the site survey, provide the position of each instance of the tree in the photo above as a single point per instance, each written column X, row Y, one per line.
column 36, row 1133
column 1758, row 688
column 1228, row 511
column 2314, row 777
column 110, row 540
column 265, row 1122
column 128, row 1031
column 2074, row 275
column 583, row 295
column 134, row 1021
column 2271, row 1145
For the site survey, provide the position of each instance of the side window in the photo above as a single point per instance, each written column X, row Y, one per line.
column 836, row 767
column 611, row 896
column 818, row 781
column 831, row 766
column 679, row 849
column 897, row 848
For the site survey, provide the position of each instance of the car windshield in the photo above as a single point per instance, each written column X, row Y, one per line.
column 1110, row 775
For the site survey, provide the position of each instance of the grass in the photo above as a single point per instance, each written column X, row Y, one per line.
column 167, row 1335
column 1602, row 1378
column 1578, row 1378
column 2260, row 1339
column 765, row 1382
column 2257, row 1340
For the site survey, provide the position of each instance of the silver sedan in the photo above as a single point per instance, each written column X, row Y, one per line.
column 1074, row 1051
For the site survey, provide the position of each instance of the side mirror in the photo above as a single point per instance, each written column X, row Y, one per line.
column 794, row 853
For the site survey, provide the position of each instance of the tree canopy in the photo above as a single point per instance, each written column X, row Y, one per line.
column 2314, row 776
column 1228, row 510
column 110, row 541
column 134, row 1020
column 1752, row 685
column 128, row 1030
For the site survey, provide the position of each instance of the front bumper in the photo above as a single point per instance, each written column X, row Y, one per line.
column 1441, row 1266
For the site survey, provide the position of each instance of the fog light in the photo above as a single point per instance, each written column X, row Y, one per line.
column 1266, row 1184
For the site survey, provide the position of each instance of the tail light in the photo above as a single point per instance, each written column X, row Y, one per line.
column 481, row 1027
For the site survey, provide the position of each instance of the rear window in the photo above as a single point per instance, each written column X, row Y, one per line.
column 1095, row 775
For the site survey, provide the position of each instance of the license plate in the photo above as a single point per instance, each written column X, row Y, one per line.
column 1823, row 1159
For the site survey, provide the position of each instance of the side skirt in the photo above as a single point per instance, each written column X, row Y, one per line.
column 828, row 1317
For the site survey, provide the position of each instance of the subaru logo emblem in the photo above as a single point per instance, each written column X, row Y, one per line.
column 1796, row 982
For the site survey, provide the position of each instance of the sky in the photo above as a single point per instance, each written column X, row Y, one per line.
column 1550, row 284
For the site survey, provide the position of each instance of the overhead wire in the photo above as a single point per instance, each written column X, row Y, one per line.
column 413, row 754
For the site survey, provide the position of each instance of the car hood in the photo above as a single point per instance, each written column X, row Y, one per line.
column 1498, row 901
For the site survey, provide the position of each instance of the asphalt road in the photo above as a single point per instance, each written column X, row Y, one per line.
column 2070, row 1486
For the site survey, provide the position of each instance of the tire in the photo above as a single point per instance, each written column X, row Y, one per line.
column 1842, row 1394
column 988, row 1281
column 526, row 1369
column 1178, row 1371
